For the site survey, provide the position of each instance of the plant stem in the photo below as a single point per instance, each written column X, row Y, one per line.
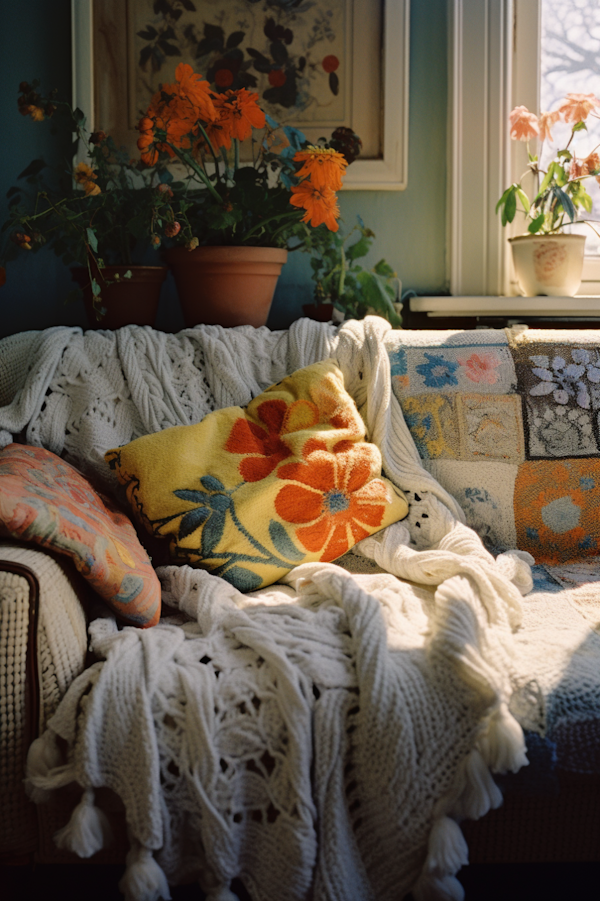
column 189, row 161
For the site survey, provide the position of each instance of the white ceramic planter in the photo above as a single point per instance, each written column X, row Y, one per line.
column 550, row 265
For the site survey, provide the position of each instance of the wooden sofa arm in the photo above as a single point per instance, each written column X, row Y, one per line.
column 43, row 646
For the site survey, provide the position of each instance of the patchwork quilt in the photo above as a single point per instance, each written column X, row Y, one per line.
column 508, row 420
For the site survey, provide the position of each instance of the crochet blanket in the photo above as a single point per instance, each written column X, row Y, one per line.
column 321, row 738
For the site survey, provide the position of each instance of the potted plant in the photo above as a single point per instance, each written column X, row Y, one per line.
column 237, row 221
column 344, row 289
column 104, row 215
column 548, row 260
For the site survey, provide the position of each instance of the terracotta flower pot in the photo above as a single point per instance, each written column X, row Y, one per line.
column 128, row 301
column 549, row 265
column 322, row 312
column 226, row 285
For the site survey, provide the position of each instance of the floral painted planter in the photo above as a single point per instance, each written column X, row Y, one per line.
column 549, row 265
column 226, row 286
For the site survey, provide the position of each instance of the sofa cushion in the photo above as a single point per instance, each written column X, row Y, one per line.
column 248, row 494
column 45, row 500
column 508, row 423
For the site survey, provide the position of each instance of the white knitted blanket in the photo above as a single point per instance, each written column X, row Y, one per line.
column 322, row 738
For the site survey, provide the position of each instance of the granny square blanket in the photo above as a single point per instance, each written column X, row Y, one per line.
column 508, row 422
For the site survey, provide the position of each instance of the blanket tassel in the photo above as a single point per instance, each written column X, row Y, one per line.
column 143, row 879
column 447, row 853
column 43, row 756
column 87, row 831
column 480, row 793
column 503, row 746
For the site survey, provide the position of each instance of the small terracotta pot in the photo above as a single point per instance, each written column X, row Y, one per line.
column 128, row 301
column 322, row 312
column 226, row 285
column 549, row 265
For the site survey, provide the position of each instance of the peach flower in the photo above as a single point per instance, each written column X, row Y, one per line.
column 578, row 168
column 577, row 107
column 546, row 121
column 523, row 124
column 592, row 162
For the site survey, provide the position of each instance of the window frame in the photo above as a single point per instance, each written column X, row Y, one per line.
column 493, row 68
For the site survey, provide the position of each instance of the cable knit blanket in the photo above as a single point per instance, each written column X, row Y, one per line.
column 321, row 738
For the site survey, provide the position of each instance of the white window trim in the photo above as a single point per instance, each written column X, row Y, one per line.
column 493, row 67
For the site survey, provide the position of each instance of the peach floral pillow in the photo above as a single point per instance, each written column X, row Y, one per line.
column 249, row 494
column 45, row 500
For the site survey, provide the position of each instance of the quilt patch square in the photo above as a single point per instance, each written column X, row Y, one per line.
column 557, row 509
column 485, row 493
column 488, row 369
column 558, row 430
column 432, row 420
column 491, row 427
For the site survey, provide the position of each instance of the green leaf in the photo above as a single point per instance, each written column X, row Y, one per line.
column 92, row 239
column 560, row 175
column 96, row 290
column 546, row 181
column 34, row 168
column 505, row 197
column 211, row 483
column 510, row 207
column 282, row 542
column 192, row 521
column 241, row 578
column 524, row 199
column 566, row 153
column 212, row 533
column 359, row 249
column 565, row 201
column 580, row 126
column 536, row 224
column 385, row 270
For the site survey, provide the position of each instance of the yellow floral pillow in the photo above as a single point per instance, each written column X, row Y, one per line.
column 249, row 494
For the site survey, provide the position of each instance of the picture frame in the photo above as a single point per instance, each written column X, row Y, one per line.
column 388, row 76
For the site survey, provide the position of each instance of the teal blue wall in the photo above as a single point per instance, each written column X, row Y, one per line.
column 409, row 224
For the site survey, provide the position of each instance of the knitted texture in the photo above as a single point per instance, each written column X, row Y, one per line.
column 322, row 736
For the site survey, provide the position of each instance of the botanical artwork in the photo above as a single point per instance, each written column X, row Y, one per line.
column 294, row 53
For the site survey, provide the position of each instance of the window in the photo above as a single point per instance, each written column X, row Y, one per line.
column 505, row 53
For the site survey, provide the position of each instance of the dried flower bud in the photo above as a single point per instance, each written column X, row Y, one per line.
column 165, row 189
column 172, row 229
column 97, row 137
column 50, row 109
column 156, row 240
column 192, row 244
column 25, row 87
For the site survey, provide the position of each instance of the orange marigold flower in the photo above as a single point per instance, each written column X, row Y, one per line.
column 523, row 124
column 91, row 189
column 546, row 121
column 195, row 88
column 337, row 502
column 324, row 166
column 577, row 107
column 320, row 204
column 239, row 112
column 84, row 173
column 36, row 113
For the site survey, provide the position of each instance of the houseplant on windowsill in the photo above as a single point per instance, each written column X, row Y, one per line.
column 547, row 260
column 104, row 215
column 226, row 213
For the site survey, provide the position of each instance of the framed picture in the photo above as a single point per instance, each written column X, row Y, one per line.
column 316, row 65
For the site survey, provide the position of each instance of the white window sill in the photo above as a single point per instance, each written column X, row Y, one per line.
column 587, row 306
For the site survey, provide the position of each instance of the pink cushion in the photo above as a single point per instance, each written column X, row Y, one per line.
column 45, row 500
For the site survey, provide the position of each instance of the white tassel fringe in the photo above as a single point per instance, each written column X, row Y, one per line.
column 438, row 888
column 480, row 792
column 43, row 756
column 143, row 879
column 503, row 746
column 87, row 831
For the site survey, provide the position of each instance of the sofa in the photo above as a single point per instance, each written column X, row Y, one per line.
column 493, row 440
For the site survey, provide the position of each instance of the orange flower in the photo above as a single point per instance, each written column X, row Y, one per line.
column 239, row 112
column 84, row 175
column 337, row 502
column 320, row 204
column 264, row 448
column 546, row 121
column 577, row 107
column 91, row 189
column 592, row 162
column 197, row 90
column 577, row 168
column 325, row 167
column 523, row 124
column 36, row 113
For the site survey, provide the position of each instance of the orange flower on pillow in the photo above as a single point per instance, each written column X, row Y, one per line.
column 337, row 503
column 264, row 446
